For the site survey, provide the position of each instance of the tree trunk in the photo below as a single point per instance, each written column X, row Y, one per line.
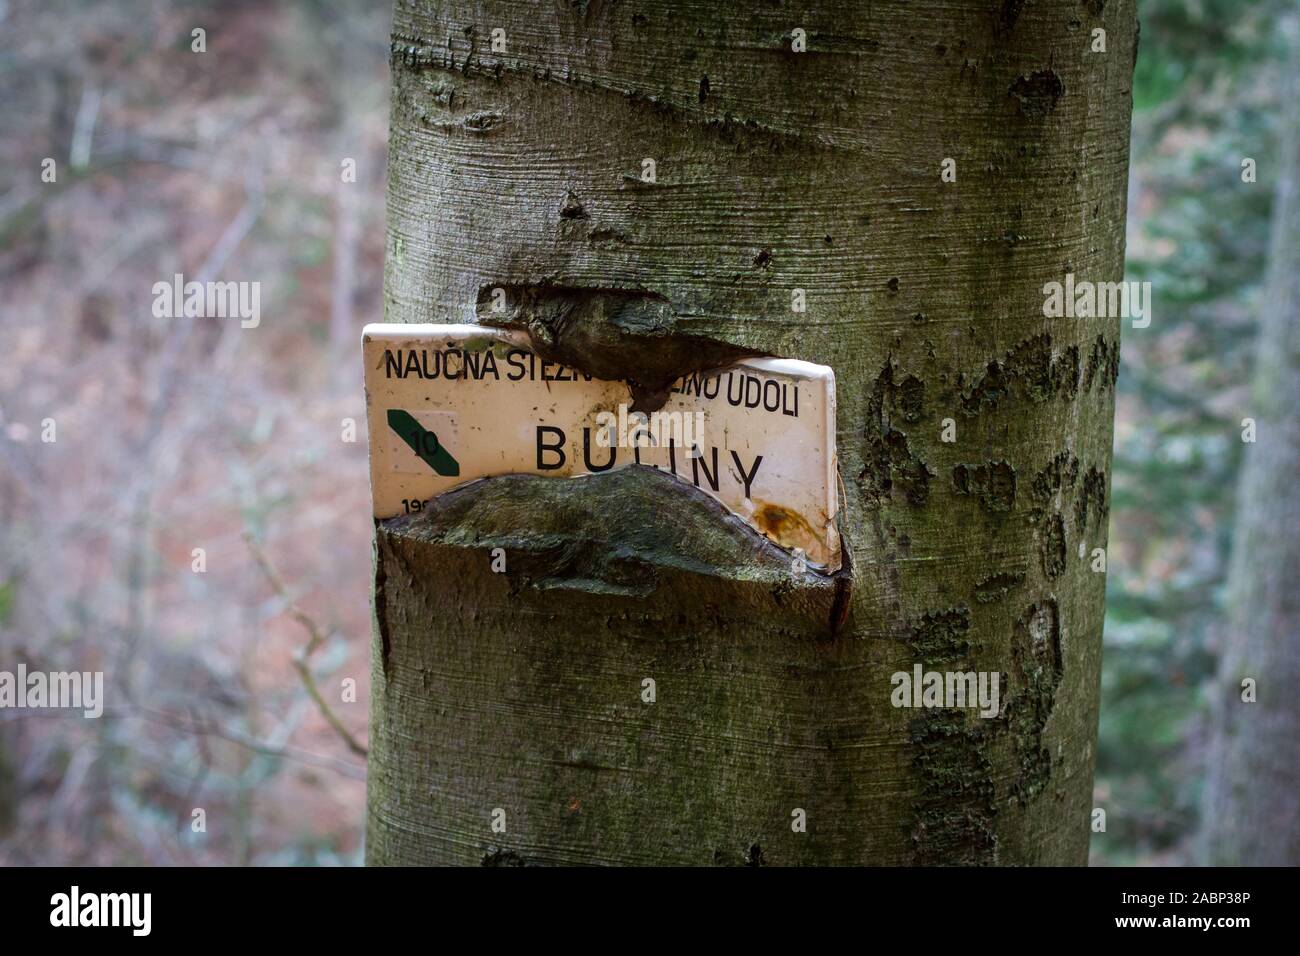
column 510, row 723
column 1252, row 804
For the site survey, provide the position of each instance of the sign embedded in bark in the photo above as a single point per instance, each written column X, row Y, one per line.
column 450, row 404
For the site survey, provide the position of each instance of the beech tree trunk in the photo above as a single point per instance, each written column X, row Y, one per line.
column 508, row 721
column 1252, row 803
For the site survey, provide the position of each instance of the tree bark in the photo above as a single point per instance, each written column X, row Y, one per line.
column 1252, row 802
column 516, row 698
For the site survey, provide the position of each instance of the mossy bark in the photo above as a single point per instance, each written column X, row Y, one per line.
column 774, row 171
column 1252, row 797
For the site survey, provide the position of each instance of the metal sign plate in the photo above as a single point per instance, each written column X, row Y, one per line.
column 450, row 404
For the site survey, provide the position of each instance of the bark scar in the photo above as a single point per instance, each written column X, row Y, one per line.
column 615, row 334
column 381, row 612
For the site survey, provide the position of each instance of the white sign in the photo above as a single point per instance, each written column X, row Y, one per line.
column 450, row 404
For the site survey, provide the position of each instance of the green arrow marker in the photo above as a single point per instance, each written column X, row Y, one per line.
column 423, row 442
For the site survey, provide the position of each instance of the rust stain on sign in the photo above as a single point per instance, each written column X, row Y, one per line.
column 782, row 524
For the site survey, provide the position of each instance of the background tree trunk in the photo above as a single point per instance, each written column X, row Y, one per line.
column 1252, row 803
column 775, row 171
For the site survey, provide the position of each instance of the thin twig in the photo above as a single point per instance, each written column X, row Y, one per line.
column 185, row 723
column 316, row 637
column 196, row 785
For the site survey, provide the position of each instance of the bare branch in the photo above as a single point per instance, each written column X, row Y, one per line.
column 316, row 637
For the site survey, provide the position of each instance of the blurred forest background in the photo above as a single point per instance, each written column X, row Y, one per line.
column 174, row 435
